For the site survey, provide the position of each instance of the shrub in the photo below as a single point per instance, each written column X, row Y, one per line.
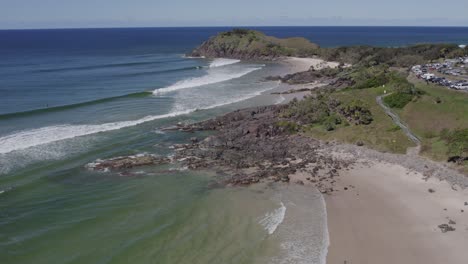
column 457, row 142
column 398, row 100
column 357, row 112
column 289, row 127
column 394, row 128
column 403, row 91
column 330, row 122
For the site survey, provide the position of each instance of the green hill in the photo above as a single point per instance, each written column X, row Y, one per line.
column 253, row 45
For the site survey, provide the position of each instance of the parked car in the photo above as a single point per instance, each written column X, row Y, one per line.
column 461, row 86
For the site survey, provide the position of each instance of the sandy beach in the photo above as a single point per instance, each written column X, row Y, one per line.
column 388, row 215
column 303, row 64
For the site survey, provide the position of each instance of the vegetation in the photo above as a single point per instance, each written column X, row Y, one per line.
column 379, row 134
column 398, row 100
column 313, row 110
column 326, row 112
column 250, row 44
column 357, row 112
column 457, row 142
column 397, row 57
column 432, row 121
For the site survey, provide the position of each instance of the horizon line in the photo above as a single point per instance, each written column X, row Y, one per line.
column 271, row 26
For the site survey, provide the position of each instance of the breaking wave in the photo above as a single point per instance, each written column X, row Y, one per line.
column 273, row 219
column 40, row 136
column 35, row 137
column 213, row 76
column 222, row 62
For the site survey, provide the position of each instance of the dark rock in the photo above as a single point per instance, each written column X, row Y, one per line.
column 251, row 138
column 300, row 182
column 127, row 162
column 451, row 222
column 446, row 228
column 285, row 179
column 431, row 190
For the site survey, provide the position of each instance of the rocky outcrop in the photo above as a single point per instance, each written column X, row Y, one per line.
column 253, row 45
column 249, row 146
column 127, row 162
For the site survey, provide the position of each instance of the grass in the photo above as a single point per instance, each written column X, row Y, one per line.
column 427, row 118
column 381, row 134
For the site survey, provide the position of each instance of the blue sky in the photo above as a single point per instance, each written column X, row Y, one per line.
column 141, row 13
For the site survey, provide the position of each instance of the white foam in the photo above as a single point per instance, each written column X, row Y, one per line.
column 273, row 219
column 213, row 76
column 280, row 100
column 40, row 136
column 222, row 62
column 304, row 235
column 326, row 234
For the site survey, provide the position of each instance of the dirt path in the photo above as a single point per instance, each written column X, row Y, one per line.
column 396, row 119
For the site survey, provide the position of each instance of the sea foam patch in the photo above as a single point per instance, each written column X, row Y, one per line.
column 273, row 219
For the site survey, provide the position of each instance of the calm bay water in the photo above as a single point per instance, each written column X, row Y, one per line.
column 68, row 97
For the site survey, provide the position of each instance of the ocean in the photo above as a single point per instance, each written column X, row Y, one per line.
column 71, row 96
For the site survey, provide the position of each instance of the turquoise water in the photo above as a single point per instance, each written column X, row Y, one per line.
column 62, row 110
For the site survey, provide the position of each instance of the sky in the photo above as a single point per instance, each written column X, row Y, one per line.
column 19, row 14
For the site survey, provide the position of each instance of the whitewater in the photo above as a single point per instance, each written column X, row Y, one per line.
column 41, row 136
column 217, row 72
column 220, row 70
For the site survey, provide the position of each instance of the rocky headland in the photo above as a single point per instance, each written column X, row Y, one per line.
column 253, row 45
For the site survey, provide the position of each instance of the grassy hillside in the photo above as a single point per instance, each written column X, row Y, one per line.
column 250, row 44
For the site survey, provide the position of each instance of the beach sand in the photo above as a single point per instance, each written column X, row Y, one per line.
column 388, row 215
column 295, row 65
column 304, row 64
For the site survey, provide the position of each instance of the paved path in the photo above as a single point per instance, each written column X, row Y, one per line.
column 397, row 121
